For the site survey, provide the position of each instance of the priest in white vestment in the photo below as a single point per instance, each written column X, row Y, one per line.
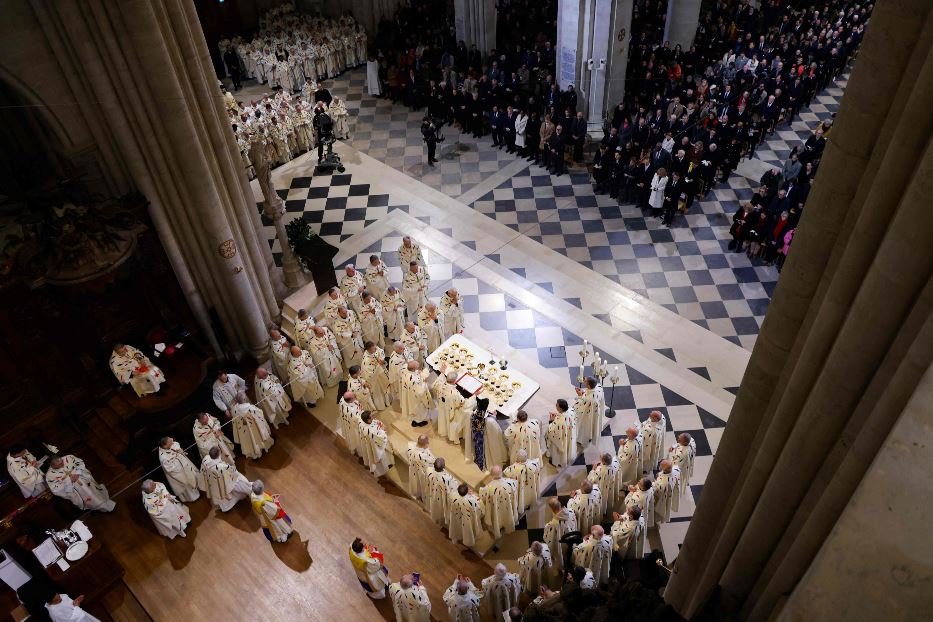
column 279, row 346
column 494, row 450
column 682, row 455
column 523, row 435
column 352, row 286
column 303, row 378
column 225, row 485
column 560, row 523
column 132, row 367
column 430, row 323
column 376, row 374
column 169, row 515
column 415, row 285
column 272, row 397
column 70, row 479
column 250, row 428
column 408, row 252
column 62, row 609
column 415, row 395
column 463, row 600
column 652, row 431
column 590, row 408
column 501, row 590
column 465, row 522
column 630, row 459
column 666, row 492
column 393, row 312
column 209, row 433
column 304, row 329
column 24, row 469
column 334, row 301
column 534, row 567
column 375, row 445
column 398, row 365
column 594, row 554
column 526, row 472
column 500, row 503
column 449, row 402
column 376, row 276
column 182, row 475
column 586, row 503
column 414, row 342
column 224, row 391
column 440, row 485
column 372, row 321
column 360, row 388
column 452, row 312
column 641, row 495
column 348, row 422
column 410, row 600
column 605, row 474
column 561, row 436
column 370, row 571
column 420, row 460
column 326, row 356
column 349, row 335
column 276, row 524
column 628, row 533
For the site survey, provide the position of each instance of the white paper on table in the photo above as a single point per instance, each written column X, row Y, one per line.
column 47, row 553
column 64, row 565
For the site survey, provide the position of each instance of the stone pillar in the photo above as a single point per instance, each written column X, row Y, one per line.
column 592, row 53
column 844, row 345
column 683, row 18
column 475, row 22
column 153, row 85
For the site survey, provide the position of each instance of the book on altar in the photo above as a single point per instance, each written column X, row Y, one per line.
column 470, row 384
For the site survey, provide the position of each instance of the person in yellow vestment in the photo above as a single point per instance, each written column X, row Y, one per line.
column 276, row 525
column 368, row 562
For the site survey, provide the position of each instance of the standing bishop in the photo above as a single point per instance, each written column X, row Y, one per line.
column 132, row 367
column 526, row 472
column 375, row 445
column 376, row 276
column 24, row 469
column 250, row 429
column 225, row 485
column 376, row 373
column 452, row 312
column 182, row 475
column 440, row 486
column 410, row 600
column 465, row 522
column 523, row 435
column 272, row 397
column 415, row 395
column 500, row 503
column 501, row 590
column 208, row 433
column 561, row 436
column 68, row 478
column 302, row 377
column 168, row 514
column 326, row 356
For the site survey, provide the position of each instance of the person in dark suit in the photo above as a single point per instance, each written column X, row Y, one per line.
column 555, row 147
column 508, row 129
column 602, row 169
column 660, row 158
column 674, row 192
column 578, row 135
column 533, row 136
column 496, row 126
column 429, row 134
column 643, row 175
column 232, row 61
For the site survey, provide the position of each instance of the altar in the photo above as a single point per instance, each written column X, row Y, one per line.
column 482, row 373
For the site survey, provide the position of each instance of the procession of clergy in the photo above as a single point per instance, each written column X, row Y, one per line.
column 635, row 488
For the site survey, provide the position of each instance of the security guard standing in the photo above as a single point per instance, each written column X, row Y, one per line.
column 429, row 133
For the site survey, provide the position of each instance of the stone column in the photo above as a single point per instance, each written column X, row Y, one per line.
column 845, row 342
column 475, row 22
column 154, row 87
column 683, row 18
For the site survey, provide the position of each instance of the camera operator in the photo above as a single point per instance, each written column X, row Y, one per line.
column 429, row 134
column 324, row 128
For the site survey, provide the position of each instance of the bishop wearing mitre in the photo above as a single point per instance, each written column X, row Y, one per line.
column 182, row 475
column 24, row 469
column 561, row 436
column 303, row 378
column 500, row 591
column 376, row 276
column 430, row 323
column 452, row 312
column 562, row 521
column 526, row 473
column 169, row 515
column 376, row 374
column 398, row 365
column 415, row 395
column 208, row 433
column 326, row 356
column 70, row 479
column 272, row 397
column 132, row 367
column 500, row 503
column 465, row 521
column 225, row 485
column 250, row 428
column 420, row 459
column 523, row 435
column 440, row 487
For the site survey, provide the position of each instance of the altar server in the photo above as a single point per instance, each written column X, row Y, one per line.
column 276, row 524
column 370, row 571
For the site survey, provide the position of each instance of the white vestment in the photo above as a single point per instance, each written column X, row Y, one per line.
column 212, row 435
column 393, row 313
column 373, row 323
column 273, row 399
column 85, row 493
column 533, row 568
column 134, row 368
column 370, row 572
column 630, row 460
column 500, row 506
column 560, row 524
column 628, row 537
column 326, row 356
column 501, row 593
column 280, row 356
column 453, row 316
column 415, row 344
column 415, row 396
column 351, row 287
column 590, row 408
column 332, row 307
column 271, row 516
column 607, row 478
column 30, row 479
column 644, row 501
column 225, row 485
column 439, row 486
column 67, row 611
column 410, row 604
column 415, row 291
column 420, row 459
column 587, row 507
column 224, row 393
column 376, row 448
column 666, row 495
column 364, row 395
column 464, row 523
column 682, row 457
column 376, row 280
column 398, row 365
column 493, row 441
column 348, row 425
column 251, row 430
column 595, row 555
column 431, row 328
column 523, row 435
column 182, row 475
column 561, row 439
column 653, row 434
column 408, row 254
column 304, row 332
column 463, row 607
column 303, row 378
column 375, row 372
column 526, row 474
column 169, row 515
column 349, row 335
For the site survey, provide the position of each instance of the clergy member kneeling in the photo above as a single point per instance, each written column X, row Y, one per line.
column 169, row 515
column 225, row 485
column 276, row 525
column 250, row 428
column 410, row 600
column 595, row 553
column 370, row 571
column 68, row 478
column 132, row 367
